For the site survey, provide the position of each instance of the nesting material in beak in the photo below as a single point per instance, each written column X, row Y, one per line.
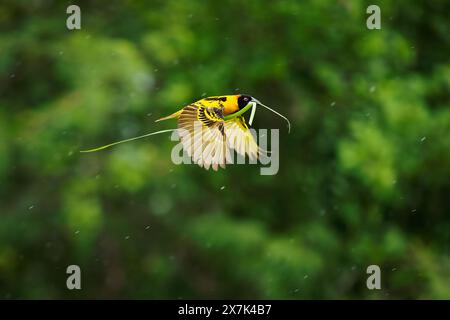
column 277, row 113
column 252, row 115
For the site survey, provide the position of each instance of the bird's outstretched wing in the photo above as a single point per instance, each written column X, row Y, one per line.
column 240, row 138
column 210, row 141
column 201, row 130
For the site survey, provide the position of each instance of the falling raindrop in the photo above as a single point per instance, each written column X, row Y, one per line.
column 222, row 188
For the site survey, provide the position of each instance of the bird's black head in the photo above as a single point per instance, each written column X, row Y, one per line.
column 243, row 100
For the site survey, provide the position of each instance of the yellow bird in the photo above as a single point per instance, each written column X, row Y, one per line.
column 211, row 128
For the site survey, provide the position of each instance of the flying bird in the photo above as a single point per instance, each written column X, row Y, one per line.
column 211, row 128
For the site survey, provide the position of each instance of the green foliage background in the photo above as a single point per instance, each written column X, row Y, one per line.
column 364, row 174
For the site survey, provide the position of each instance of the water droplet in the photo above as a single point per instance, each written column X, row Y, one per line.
column 31, row 207
column 77, row 232
column 372, row 89
column 127, row 237
column 423, row 139
column 147, row 227
column 333, row 104
column 306, row 276
column 222, row 188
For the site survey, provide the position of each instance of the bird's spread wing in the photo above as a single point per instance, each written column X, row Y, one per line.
column 240, row 138
column 209, row 140
column 201, row 130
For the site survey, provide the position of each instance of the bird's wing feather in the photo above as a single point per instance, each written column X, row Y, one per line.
column 201, row 130
column 241, row 139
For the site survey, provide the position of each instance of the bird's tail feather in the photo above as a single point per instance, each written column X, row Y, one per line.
column 173, row 115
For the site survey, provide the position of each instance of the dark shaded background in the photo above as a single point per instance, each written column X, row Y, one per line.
column 364, row 174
